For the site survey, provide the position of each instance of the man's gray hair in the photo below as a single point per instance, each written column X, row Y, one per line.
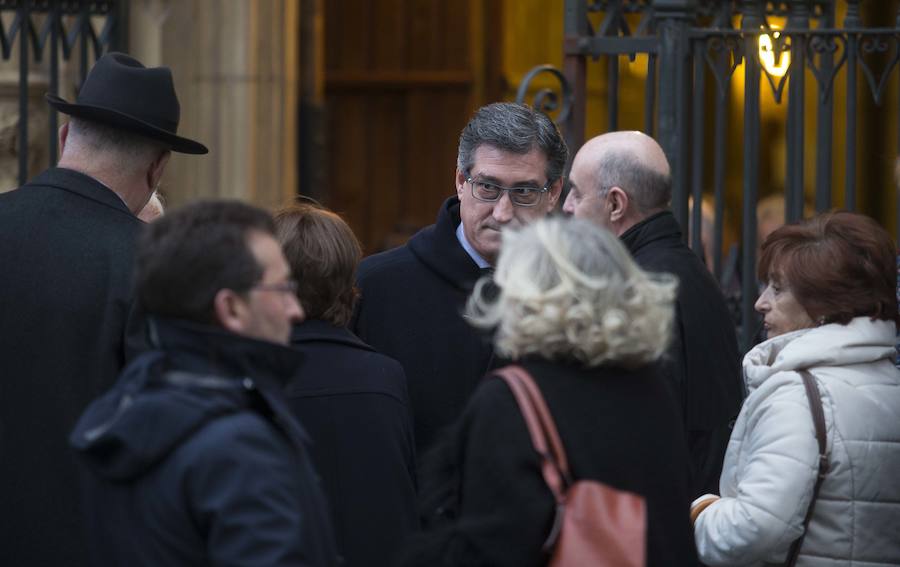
column 99, row 138
column 513, row 128
column 648, row 189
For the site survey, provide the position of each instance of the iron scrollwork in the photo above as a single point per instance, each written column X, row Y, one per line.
column 826, row 47
column 55, row 14
column 878, row 44
column 546, row 100
column 720, row 51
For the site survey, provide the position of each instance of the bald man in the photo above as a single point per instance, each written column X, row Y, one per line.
column 622, row 181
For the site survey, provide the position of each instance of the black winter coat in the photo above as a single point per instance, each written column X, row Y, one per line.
column 193, row 458
column 486, row 501
column 410, row 310
column 353, row 403
column 703, row 360
column 66, row 255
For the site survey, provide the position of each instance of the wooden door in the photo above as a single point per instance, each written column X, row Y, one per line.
column 401, row 79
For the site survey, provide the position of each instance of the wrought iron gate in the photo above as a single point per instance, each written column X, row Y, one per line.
column 37, row 31
column 689, row 42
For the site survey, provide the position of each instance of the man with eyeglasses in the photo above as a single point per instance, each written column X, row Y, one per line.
column 193, row 457
column 509, row 172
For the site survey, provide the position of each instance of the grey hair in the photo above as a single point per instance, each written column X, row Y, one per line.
column 130, row 150
column 648, row 189
column 569, row 290
column 514, row 128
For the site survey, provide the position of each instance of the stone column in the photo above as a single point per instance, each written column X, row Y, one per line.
column 38, row 113
column 236, row 72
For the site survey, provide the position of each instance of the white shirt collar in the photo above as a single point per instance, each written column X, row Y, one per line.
column 464, row 242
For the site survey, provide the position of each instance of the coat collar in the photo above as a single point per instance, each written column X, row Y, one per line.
column 437, row 247
column 206, row 349
column 659, row 226
column 860, row 341
column 82, row 185
column 321, row 331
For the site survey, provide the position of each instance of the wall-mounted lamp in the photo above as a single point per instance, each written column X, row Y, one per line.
column 768, row 58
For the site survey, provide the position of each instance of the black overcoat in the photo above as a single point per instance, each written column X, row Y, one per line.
column 703, row 361
column 354, row 405
column 66, row 254
column 486, row 502
column 411, row 310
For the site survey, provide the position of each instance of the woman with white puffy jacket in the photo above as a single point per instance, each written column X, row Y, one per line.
column 829, row 308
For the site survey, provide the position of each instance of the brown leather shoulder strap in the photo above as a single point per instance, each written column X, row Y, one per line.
column 818, row 417
column 547, row 421
column 518, row 379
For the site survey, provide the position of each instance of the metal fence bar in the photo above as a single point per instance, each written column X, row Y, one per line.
column 650, row 95
column 52, row 35
column 851, row 21
column 24, row 19
column 698, row 138
column 84, row 25
column 719, row 144
column 825, row 119
column 53, row 118
column 674, row 107
column 796, row 116
column 612, row 109
column 575, row 70
column 750, row 24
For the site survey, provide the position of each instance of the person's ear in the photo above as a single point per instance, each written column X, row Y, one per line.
column 555, row 192
column 617, row 202
column 460, row 184
column 156, row 169
column 62, row 136
column 230, row 310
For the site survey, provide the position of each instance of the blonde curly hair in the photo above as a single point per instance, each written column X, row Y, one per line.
column 569, row 290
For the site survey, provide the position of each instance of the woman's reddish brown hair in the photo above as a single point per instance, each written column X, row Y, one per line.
column 323, row 254
column 838, row 265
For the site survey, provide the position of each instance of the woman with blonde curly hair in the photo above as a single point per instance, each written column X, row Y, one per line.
column 570, row 306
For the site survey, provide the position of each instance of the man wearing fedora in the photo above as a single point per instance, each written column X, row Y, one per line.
column 67, row 243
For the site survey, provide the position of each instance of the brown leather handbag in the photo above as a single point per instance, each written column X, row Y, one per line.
column 595, row 524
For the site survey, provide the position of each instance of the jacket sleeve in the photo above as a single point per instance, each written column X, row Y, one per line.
column 243, row 493
column 778, row 465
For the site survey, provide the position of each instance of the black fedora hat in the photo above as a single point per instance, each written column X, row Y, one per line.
column 120, row 92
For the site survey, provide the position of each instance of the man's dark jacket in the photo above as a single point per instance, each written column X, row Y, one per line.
column 193, row 458
column 703, row 361
column 353, row 403
column 66, row 255
column 411, row 310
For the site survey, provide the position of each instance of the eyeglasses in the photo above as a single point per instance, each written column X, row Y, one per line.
column 289, row 286
column 522, row 195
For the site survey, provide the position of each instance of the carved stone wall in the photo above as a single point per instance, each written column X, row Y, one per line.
column 236, row 73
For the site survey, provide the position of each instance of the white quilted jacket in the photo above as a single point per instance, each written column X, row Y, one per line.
column 771, row 461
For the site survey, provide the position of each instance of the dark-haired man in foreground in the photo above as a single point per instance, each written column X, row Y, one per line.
column 193, row 457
